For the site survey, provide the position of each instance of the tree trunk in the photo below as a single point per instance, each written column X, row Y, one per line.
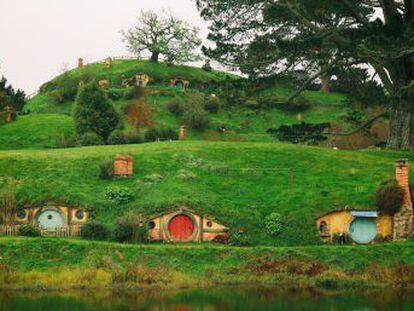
column 402, row 125
column 155, row 56
column 325, row 79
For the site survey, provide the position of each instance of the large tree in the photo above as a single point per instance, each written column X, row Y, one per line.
column 260, row 36
column 9, row 97
column 164, row 36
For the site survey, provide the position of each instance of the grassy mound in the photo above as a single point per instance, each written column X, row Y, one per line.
column 61, row 264
column 238, row 184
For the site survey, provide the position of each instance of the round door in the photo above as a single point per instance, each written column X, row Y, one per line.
column 363, row 230
column 50, row 219
column 181, row 228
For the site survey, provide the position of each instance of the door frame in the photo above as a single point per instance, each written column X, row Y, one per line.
column 192, row 238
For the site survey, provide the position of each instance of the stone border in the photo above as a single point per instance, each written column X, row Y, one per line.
column 192, row 238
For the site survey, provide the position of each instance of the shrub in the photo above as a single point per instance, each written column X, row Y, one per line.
column 300, row 133
column 194, row 114
column 207, row 66
column 117, row 137
column 299, row 104
column 166, row 133
column 131, row 228
column 94, row 230
column 118, row 195
column 94, row 113
column 106, row 169
column 56, row 96
column 239, row 238
column 274, row 224
column 29, row 230
column 212, row 104
column 115, row 94
column 90, row 139
column 389, row 197
column 176, row 107
column 253, row 104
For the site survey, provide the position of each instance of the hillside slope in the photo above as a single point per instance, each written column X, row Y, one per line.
column 238, row 184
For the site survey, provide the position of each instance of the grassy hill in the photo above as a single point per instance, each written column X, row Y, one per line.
column 237, row 183
column 245, row 124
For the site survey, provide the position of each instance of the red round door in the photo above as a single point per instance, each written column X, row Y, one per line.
column 181, row 228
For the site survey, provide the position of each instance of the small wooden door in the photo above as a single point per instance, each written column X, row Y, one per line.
column 181, row 228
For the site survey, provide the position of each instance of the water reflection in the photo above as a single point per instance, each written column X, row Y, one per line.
column 210, row 300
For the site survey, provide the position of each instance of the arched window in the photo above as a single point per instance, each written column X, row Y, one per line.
column 323, row 228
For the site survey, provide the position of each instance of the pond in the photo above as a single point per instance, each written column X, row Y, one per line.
column 216, row 299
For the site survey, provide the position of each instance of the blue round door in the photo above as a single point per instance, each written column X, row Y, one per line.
column 50, row 219
column 363, row 230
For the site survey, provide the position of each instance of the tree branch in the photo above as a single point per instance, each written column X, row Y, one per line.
column 360, row 128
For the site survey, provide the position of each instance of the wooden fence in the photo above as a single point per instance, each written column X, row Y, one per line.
column 63, row 232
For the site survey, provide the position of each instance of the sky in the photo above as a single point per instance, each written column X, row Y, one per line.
column 41, row 37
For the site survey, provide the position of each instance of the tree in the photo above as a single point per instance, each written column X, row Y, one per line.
column 261, row 35
column 9, row 97
column 194, row 114
column 94, row 113
column 139, row 114
column 175, row 39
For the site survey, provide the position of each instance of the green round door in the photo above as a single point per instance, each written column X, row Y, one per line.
column 363, row 230
column 50, row 219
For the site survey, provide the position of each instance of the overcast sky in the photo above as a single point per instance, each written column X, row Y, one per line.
column 39, row 36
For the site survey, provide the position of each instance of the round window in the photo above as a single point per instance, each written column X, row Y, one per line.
column 209, row 224
column 21, row 214
column 79, row 214
column 151, row 225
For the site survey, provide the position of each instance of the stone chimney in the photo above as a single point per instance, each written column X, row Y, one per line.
column 404, row 219
column 183, row 132
column 80, row 62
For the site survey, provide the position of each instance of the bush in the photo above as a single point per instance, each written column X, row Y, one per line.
column 29, row 230
column 90, row 139
column 299, row 104
column 253, row 104
column 94, row 230
column 274, row 224
column 212, row 104
column 194, row 114
column 119, row 195
column 239, row 238
column 166, row 133
column 131, row 228
column 106, row 169
column 300, row 133
column 94, row 113
column 389, row 197
column 115, row 94
column 57, row 97
column 117, row 137
column 176, row 107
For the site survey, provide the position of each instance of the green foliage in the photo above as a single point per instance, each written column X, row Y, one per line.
column 176, row 40
column 239, row 237
column 118, row 194
column 274, row 224
column 212, row 104
column 29, row 230
column 93, row 112
column 131, row 228
column 300, row 133
column 115, row 94
column 389, row 197
column 194, row 114
column 299, row 104
column 162, row 133
column 9, row 97
column 106, row 169
column 90, row 139
column 94, row 230
column 176, row 107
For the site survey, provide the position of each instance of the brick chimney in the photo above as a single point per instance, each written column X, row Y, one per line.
column 80, row 62
column 183, row 132
column 404, row 219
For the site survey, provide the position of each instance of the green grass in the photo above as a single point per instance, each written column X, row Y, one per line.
column 58, row 263
column 36, row 131
column 324, row 179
